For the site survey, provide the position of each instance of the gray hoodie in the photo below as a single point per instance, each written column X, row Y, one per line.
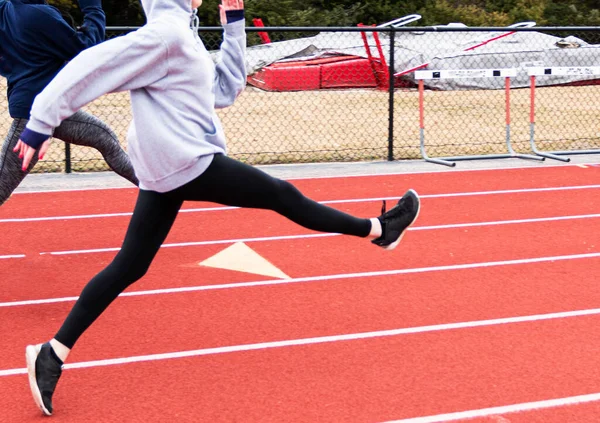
column 174, row 87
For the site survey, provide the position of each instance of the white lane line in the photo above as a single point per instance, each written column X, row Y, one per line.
column 505, row 222
column 506, row 409
column 511, row 191
column 104, row 215
column 309, row 236
column 320, row 235
column 195, row 243
column 321, row 340
column 354, row 200
column 319, row 278
column 343, row 176
column 51, row 191
column 291, row 237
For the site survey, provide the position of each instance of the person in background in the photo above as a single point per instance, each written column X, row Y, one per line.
column 177, row 147
column 36, row 43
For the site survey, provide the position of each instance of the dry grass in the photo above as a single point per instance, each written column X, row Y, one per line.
column 345, row 125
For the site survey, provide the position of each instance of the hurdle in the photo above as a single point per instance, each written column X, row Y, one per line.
column 535, row 72
column 528, row 24
column 422, row 75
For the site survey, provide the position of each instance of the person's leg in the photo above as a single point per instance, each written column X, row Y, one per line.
column 11, row 173
column 150, row 224
column 89, row 131
column 229, row 182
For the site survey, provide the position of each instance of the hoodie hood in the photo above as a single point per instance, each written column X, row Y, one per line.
column 155, row 8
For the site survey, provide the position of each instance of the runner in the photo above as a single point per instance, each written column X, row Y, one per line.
column 36, row 43
column 177, row 147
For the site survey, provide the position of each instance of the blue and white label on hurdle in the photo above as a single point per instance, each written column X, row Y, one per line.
column 565, row 71
column 465, row 73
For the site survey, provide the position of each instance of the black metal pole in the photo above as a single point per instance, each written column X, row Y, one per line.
column 392, row 83
column 67, row 157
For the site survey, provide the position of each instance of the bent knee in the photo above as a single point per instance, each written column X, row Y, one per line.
column 288, row 195
column 128, row 271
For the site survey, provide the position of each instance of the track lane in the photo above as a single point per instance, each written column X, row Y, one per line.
column 35, row 237
column 122, row 200
column 208, row 319
column 574, row 409
column 580, row 413
column 51, row 277
column 251, row 402
column 367, row 380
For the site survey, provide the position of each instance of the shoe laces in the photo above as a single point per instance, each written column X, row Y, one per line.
column 398, row 209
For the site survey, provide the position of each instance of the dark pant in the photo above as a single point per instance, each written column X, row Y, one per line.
column 227, row 182
column 80, row 129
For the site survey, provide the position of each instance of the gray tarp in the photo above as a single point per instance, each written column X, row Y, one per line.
column 444, row 50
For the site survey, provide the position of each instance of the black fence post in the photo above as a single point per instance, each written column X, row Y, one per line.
column 67, row 157
column 392, row 83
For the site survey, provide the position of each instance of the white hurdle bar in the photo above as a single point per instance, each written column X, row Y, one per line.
column 468, row 73
column 560, row 71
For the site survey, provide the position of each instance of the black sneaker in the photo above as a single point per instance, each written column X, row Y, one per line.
column 44, row 368
column 396, row 220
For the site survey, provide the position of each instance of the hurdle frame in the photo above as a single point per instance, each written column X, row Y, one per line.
column 528, row 24
column 535, row 72
column 506, row 73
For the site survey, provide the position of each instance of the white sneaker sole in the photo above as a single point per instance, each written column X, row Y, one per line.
column 31, row 353
column 395, row 243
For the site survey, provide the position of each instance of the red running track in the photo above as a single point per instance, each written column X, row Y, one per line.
column 476, row 363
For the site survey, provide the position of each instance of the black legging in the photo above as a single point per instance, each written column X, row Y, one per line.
column 227, row 182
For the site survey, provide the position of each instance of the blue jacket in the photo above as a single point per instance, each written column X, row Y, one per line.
column 35, row 44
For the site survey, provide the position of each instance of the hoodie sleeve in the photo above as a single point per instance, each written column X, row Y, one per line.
column 230, row 78
column 65, row 42
column 122, row 64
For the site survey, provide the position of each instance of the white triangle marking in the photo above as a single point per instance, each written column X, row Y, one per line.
column 242, row 258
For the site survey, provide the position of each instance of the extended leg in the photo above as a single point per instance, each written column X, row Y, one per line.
column 227, row 181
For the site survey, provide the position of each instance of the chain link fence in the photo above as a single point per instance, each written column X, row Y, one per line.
column 344, row 94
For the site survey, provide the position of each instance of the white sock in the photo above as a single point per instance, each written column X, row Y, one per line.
column 61, row 351
column 375, row 228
